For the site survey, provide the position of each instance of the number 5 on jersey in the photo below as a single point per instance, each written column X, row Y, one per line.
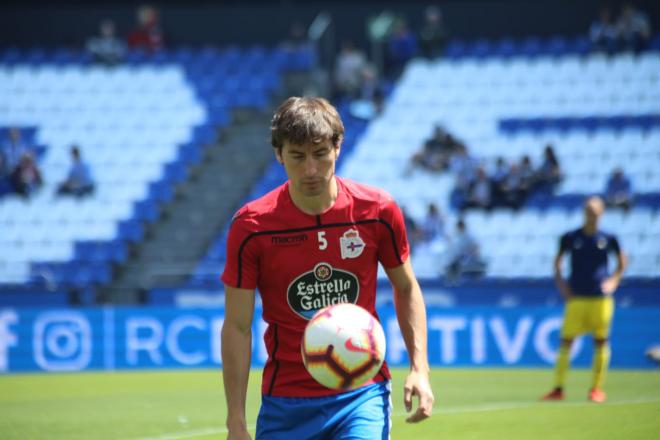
column 323, row 243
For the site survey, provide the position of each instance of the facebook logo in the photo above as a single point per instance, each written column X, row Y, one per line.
column 7, row 337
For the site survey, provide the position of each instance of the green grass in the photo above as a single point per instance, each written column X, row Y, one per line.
column 470, row 404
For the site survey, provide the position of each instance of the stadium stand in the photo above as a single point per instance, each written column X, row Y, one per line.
column 140, row 125
column 598, row 112
column 509, row 98
column 501, row 97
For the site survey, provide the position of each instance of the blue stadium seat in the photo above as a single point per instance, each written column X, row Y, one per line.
column 530, row 46
column 161, row 191
column 146, row 210
column 456, row 49
column 130, row 230
column 556, row 46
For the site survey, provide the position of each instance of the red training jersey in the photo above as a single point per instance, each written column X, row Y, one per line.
column 301, row 263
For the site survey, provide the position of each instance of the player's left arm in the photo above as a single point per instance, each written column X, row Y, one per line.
column 611, row 283
column 411, row 314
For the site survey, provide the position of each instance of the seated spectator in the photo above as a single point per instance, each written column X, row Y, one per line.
column 549, row 173
column 297, row 39
column 527, row 174
column 5, row 173
column 415, row 233
column 79, row 181
column 433, row 227
column 148, row 34
column 437, row 152
column 498, row 180
column 433, row 34
column 604, row 33
column 479, row 194
column 514, row 191
column 401, row 48
column 349, row 70
column 370, row 100
column 618, row 192
column 634, row 29
column 106, row 48
column 26, row 177
column 14, row 148
column 464, row 255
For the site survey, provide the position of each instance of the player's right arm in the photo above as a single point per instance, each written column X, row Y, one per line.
column 560, row 281
column 236, row 353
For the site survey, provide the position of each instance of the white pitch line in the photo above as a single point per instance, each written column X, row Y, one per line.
column 501, row 406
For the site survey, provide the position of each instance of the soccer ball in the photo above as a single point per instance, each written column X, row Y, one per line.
column 343, row 346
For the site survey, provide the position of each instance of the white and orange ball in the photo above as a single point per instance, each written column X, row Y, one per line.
column 343, row 346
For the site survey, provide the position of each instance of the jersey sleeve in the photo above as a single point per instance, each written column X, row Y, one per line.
column 393, row 247
column 242, row 264
column 614, row 245
column 564, row 243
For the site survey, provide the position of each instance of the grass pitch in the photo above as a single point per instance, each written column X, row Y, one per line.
column 189, row 404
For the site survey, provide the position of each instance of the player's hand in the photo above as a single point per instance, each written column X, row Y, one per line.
column 566, row 292
column 609, row 285
column 417, row 384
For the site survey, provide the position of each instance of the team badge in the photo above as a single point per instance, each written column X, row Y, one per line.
column 602, row 243
column 578, row 244
column 351, row 244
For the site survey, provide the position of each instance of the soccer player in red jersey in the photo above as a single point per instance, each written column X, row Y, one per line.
column 314, row 241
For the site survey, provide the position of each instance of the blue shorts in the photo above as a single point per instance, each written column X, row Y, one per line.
column 362, row 414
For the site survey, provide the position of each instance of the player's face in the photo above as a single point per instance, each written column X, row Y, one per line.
column 593, row 209
column 310, row 168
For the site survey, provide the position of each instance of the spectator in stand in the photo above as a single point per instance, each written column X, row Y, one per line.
column 14, row 148
column 464, row 168
column 433, row 227
column 527, row 175
column 370, row 100
column 372, row 88
column 148, row 34
column 433, row 34
column 549, row 173
column 634, row 28
column 79, row 182
column 106, row 47
column 437, row 151
column 296, row 39
column 401, row 48
column 26, row 177
column 349, row 71
column 464, row 255
column 604, row 32
column 498, row 180
column 480, row 192
column 415, row 233
column 5, row 173
column 618, row 192
column 513, row 188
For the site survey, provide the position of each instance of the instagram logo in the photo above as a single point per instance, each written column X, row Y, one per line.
column 62, row 341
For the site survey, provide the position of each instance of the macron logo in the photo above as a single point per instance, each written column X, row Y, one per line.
column 7, row 338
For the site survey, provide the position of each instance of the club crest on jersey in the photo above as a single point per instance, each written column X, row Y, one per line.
column 351, row 244
column 321, row 287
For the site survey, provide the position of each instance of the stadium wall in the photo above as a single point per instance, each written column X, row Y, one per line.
column 40, row 23
column 65, row 340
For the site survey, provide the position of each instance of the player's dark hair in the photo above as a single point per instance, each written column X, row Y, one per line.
column 306, row 120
